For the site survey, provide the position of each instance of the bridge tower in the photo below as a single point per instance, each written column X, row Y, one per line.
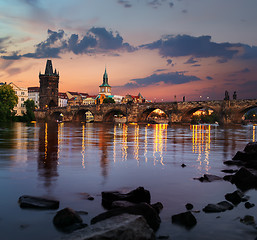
column 49, row 85
column 105, row 88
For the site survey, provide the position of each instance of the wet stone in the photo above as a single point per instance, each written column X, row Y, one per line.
column 26, row 201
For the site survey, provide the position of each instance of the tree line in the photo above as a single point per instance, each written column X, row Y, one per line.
column 8, row 100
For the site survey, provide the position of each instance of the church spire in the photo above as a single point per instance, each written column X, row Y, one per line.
column 49, row 68
column 105, row 78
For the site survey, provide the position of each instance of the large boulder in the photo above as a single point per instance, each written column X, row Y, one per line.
column 185, row 219
column 219, row 207
column 244, row 179
column 67, row 220
column 27, row 201
column 136, row 196
column 236, row 197
column 122, row 227
column 208, row 178
column 147, row 211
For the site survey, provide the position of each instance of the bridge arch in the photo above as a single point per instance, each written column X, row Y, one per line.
column 187, row 116
column 57, row 116
column 239, row 116
column 111, row 114
column 145, row 116
column 83, row 115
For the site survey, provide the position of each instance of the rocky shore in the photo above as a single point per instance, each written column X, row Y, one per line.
column 132, row 215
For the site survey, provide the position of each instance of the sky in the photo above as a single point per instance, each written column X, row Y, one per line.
column 160, row 48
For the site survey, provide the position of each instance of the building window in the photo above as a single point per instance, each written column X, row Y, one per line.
column 22, row 105
column 22, row 93
column 102, row 89
column 22, row 99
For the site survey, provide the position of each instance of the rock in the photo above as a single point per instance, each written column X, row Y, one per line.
column 244, row 179
column 189, row 206
column 229, row 171
column 248, row 220
column 121, row 204
column 185, row 219
column 67, row 220
column 219, row 207
column 249, row 205
column 208, row 178
column 251, row 147
column 157, row 207
column 236, row 197
column 143, row 209
column 26, row 201
column 136, row 196
column 163, row 237
column 125, row 226
column 86, row 196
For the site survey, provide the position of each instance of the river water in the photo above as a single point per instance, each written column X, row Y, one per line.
column 65, row 160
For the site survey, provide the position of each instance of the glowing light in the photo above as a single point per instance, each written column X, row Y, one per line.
column 125, row 142
column 136, row 143
column 83, row 146
column 254, row 133
column 201, row 143
column 114, row 143
column 160, row 136
column 46, row 141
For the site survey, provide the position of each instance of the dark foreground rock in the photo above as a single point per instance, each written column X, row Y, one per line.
column 209, row 178
column 27, row 201
column 244, row 179
column 236, row 197
column 185, row 219
column 135, row 196
column 219, row 207
column 246, row 158
column 67, row 220
column 143, row 209
column 122, row 227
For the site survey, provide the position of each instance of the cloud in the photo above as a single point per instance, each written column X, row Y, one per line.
column 196, row 65
column 245, row 70
column 191, row 61
column 209, row 78
column 167, row 78
column 160, row 70
column 169, row 62
column 108, row 41
column 125, row 3
column 250, row 52
column 96, row 40
column 3, row 44
column 197, row 47
column 152, row 3
column 14, row 56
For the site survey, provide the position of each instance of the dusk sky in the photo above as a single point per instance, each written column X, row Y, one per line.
column 159, row 48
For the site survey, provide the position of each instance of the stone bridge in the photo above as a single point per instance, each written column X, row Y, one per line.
column 177, row 112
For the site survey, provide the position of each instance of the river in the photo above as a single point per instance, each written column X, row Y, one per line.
column 65, row 160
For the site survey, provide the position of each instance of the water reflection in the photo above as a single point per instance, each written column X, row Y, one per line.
column 48, row 152
column 201, row 145
column 160, row 142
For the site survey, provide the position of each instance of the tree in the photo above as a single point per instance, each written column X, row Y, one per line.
column 30, row 107
column 108, row 100
column 8, row 100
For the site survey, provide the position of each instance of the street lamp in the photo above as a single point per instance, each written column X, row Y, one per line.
column 200, row 98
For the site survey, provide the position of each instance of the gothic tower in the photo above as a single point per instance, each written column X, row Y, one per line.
column 49, row 82
column 105, row 88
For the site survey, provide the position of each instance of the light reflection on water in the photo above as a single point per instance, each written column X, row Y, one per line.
column 59, row 160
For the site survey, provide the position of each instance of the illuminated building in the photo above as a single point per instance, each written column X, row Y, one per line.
column 22, row 94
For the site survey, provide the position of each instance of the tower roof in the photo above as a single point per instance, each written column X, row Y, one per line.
column 105, row 80
column 49, row 69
